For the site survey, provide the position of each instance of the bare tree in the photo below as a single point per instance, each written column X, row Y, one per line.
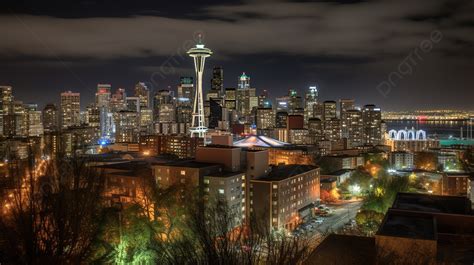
column 53, row 216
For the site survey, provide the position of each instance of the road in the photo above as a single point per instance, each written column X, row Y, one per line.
column 341, row 214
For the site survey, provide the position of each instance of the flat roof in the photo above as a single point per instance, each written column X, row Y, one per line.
column 218, row 146
column 339, row 172
column 343, row 249
column 188, row 163
column 126, row 165
column 281, row 172
column 399, row 224
column 432, row 203
column 328, row 180
column 225, row 174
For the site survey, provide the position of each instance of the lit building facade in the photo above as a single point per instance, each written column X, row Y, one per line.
column 70, row 109
column 285, row 197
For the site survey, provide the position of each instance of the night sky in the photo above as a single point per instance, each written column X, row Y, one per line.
column 404, row 54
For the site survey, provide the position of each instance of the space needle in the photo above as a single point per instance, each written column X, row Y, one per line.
column 199, row 53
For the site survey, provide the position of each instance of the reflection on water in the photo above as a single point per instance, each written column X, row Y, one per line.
column 441, row 129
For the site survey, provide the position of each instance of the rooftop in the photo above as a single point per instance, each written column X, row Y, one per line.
column 343, row 249
column 188, row 164
column 432, row 203
column 259, row 140
column 282, row 172
column 226, row 174
column 406, row 225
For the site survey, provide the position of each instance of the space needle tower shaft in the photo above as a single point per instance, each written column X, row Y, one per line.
column 199, row 53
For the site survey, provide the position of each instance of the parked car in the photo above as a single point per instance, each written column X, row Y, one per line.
column 318, row 220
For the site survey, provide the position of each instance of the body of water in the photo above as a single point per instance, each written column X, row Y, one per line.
column 439, row 129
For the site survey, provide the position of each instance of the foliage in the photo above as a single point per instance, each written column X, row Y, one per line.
column 327, row 165
column 426, row 161
column 369, row 221
column 376, row 159
column 360, row 177
column 330, row 196
column 384, row 192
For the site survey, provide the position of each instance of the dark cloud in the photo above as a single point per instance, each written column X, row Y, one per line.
column 331, row 38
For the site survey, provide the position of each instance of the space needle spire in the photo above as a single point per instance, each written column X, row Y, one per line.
column 199, row 54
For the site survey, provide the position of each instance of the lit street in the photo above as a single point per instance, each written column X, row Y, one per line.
column 340, row 214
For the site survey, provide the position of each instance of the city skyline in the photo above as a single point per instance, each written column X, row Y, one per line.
column 331, row 47
column 237, row 132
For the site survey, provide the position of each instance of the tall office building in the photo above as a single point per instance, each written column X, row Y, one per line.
column 318, row 110
column 50, row 118
column 186, row 90
column 230, row 98
column 6, row 109
column 281, row 119
column 102, row 108
column 265, row 118
column 70, row 109
column 215, row 112
column 315, row 130
column 295, row 103
column 127, row 127
column 264, row 101
column 372, row 118
column 143, row 93
column 35, row 124
column 354, row 130
column 332, row 129
column 246, row 100
column 243, row 81
column 20, row 117
column 132, row 104
column 102, row 96
column 118, row 102
column 329, row 110
column 217, row 81
column 162, row 101
column 311, row 99
column 93, row 116
column 344, row 106
column 282, row 103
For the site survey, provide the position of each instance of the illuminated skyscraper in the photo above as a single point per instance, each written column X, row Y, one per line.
column 372, row 118
column 70, row 109
column 345, row 106
column 142, row 92
column 50, row 118
column 244, row 81
column 102, row 96
column 354, row 127
column 199, row 54
column 217, row 81
column 311, row 99
column 6, row 109
column 329, row 110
